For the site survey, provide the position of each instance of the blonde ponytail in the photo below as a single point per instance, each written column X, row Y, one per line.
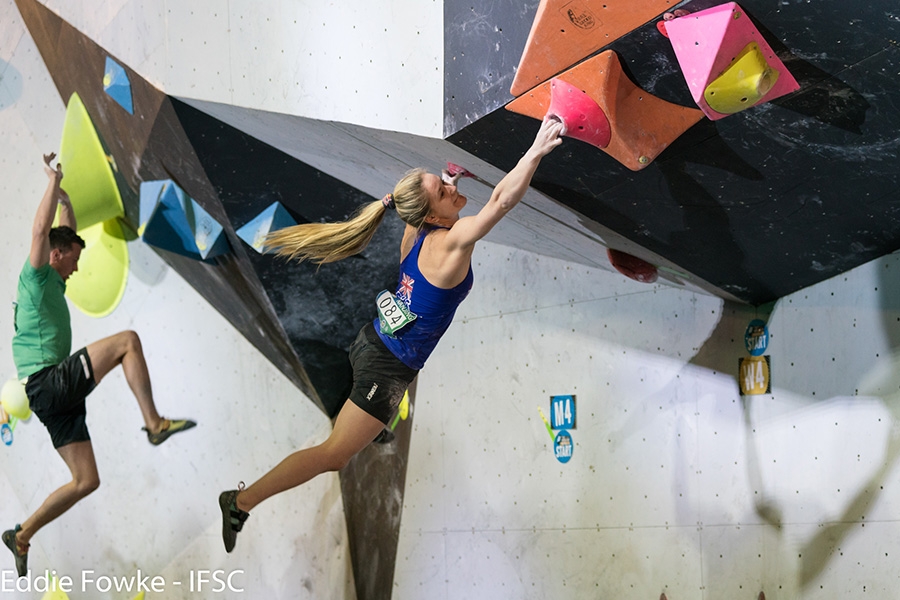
column 330, row 242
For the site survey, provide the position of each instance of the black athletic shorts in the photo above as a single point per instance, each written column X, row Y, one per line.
column 379, row 378
column 57, row 394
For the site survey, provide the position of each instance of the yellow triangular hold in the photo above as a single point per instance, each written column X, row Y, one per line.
column 743, row 83
column 53, row 592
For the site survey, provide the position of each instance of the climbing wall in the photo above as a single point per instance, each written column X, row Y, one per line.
column 678, row 482
column 759, row 204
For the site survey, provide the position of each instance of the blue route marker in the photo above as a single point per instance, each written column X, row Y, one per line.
column 563, row 446
column 562, row 412
column 756, row 338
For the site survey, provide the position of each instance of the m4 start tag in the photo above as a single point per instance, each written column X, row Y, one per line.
column 393, row 314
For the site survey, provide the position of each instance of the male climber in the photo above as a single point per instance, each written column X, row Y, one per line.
column 58, row 383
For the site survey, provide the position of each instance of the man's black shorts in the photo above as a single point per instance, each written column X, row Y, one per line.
column 57, row 394
column 379, row 378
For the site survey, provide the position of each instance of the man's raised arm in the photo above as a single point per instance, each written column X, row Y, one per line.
column 43, row 219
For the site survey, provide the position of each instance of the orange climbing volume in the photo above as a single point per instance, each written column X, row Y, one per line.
column 565, row 32
column 641, row 124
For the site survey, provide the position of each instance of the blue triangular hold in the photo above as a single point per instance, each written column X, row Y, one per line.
column 171, row 220
column 117, row 85
column 208, row 234
column 167, row 226
column 273, row 218
column 150, row 193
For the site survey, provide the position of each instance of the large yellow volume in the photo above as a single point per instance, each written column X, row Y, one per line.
column 99, row 284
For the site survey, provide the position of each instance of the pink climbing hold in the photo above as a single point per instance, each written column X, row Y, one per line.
column 455, row 169
column 582, row 116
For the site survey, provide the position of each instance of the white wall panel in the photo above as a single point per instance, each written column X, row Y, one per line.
column 664, row 438
column 378, row 64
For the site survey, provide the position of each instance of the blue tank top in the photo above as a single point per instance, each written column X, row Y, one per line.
column 434, row 308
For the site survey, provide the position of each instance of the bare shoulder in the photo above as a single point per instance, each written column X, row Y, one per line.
column 409, row 239
column 444, row 264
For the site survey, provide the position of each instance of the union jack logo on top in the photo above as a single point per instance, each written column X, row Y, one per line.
column 406, row 286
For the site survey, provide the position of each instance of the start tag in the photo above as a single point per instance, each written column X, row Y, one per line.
column 393, row 314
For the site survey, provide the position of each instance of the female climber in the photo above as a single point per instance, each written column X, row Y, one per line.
column 435, row 276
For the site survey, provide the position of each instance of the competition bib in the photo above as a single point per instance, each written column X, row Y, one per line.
column 393, row 314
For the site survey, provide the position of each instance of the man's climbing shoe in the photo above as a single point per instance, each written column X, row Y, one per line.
column 9, row 539
column 174, row 427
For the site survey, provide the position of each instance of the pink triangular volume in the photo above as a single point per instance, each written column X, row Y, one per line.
column 706, row 43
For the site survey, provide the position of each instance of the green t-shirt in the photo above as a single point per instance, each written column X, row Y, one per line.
column 43, row 326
